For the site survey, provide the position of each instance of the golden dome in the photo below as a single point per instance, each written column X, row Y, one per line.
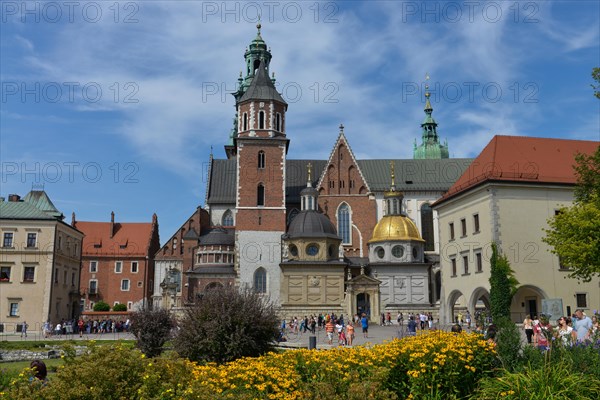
column 395, row 227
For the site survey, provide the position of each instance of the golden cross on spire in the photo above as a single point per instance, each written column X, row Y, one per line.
column 427, row 94
column 309, row 168
column 393, row 175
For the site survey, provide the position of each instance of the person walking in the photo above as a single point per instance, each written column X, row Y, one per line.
column 329, row 328
column 365, row 325
column 412, row 326
column 24, row 329
column 528, row 327
column 350, row 334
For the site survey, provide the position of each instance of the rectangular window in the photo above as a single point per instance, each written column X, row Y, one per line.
column 28, row 274
column 451, row 226
column 72, row 278
column 581, row 300
column 453, row 263
column 118, row 267
column 65, row 277
column 31, row 239
column 466, row 264
column 125, row 285
column 93, row 286
column 93, row 267
column 463, row 226
column 479, row 262
column 476, row 223
column 14, row 309
column 4, row 274
column 8, row 239
column 56, row 275
column 134, row 267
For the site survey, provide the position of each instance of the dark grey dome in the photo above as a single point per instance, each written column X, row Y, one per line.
column 217, row 236
column 311, row 224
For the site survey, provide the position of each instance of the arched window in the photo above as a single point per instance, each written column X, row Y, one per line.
column 260, row 195
column 260, row 280
column 427, row 226
column 278, row 122
column 245, row 128
column 261, row 159
column 343, row 219
column 227, row 218
column 261, row 120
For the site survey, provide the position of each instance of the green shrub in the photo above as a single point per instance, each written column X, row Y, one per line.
column 554, row 381
column 509, row 346
column 227, row 324
column 120, row 307
column 101, row 306
column 107, row 372
column 152, row 328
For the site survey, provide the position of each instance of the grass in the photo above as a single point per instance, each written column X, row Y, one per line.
column 41, row 344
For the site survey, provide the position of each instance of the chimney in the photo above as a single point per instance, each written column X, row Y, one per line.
column 112, row 223
column 14, row 197
column 73, row 221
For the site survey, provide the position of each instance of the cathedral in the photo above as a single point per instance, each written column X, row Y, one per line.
column 342, row 235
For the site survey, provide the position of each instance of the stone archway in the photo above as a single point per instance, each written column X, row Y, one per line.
column 457, row 302
column 480, row 300
column 527, row 301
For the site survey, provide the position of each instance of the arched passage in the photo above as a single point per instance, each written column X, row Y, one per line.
column 527, row 301
column 456, row 303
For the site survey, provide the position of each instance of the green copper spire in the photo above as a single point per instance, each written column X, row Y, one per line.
column 256, row 52
column 430, row 148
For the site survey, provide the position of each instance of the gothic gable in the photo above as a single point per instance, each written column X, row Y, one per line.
column 342, row 174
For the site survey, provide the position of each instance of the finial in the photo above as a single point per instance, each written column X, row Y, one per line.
column 427, row 94
column 258, row 25
column 240, row 74
column 309, row 168
column 341, row 128
column 273, row 75
column 393, row 187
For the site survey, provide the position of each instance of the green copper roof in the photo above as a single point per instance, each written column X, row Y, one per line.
column 35, row 205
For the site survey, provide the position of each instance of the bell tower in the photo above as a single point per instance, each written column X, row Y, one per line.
column 260, row 150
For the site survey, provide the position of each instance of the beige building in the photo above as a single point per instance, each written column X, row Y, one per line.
column 507, row 196
column 39, row 264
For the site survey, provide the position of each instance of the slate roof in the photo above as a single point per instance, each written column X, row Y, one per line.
column 410, row 175
column 523, row 159
column 262, row 88
column 311, row 224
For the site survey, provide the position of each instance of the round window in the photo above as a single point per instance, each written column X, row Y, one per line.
column 312, row 249
column 293, row 250
column 415, row 252
column 398, row 251
column 380, row 252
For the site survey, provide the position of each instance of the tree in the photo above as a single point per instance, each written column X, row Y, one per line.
column 152, row 328
column 503, row 285
column 101, row 306
column 574, row 232
column 227, row 324
column 596, row 77
column 120, row 307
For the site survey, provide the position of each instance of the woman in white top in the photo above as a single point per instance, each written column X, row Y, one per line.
column 565, row 332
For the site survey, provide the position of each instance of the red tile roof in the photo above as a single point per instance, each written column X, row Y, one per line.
column 130, row 239
column 523, row 159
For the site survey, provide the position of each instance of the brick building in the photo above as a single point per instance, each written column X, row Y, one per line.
column 117, row 263
column 256, row 192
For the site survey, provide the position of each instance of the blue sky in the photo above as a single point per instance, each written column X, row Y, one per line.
column 114, row 106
